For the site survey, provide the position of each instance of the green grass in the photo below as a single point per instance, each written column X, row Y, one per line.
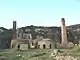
column 32, row 54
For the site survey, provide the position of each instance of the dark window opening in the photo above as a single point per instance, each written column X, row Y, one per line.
column 24, row 36
column 32, row 43
column 18, row 35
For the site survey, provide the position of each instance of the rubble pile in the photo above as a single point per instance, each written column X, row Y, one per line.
column 62, row 56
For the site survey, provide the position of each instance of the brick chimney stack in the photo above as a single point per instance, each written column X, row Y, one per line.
column 14, row 29
column 63, row 32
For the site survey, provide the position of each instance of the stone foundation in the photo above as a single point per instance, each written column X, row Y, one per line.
column 64, row 45
column 16, row 43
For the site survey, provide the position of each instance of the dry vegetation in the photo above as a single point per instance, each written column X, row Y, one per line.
column 33, row 54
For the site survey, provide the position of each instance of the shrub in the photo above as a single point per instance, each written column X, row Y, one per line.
column 76, row 48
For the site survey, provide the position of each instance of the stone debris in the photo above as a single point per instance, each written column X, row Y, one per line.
column 62, row 56
column 55, row 52
column 65, row 58
column 18, row 55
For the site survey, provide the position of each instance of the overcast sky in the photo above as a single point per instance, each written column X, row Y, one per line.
column 39, row 12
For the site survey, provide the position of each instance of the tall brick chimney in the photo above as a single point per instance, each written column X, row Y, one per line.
column 14, row 29
column 63, row 32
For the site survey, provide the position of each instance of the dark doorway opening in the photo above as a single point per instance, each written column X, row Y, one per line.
column 12, row 45
column 44, row 46
column 50, row 46
column 19, row 46
column 32, row 44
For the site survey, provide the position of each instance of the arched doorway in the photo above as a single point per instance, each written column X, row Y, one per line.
column 12, row 45
column 32, row 44
column 19, row 46
column 50, row 46
column 44, row 46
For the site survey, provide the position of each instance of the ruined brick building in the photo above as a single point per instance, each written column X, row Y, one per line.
column 20, row 37
column 52, row 37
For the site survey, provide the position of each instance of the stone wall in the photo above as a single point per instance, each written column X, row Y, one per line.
column 45, row 44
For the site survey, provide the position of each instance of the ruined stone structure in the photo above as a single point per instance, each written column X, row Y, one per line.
column 13, row 41
column 46, row 43
column 43, row 43
column 64, row 41
column 19, row 37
